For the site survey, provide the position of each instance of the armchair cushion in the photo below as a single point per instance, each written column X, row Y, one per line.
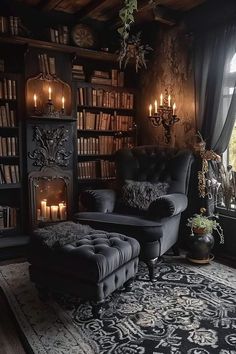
column 168, row 205
column 100, row 200
column 140, row 195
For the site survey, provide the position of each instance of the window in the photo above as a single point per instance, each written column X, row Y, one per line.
column 231, row 152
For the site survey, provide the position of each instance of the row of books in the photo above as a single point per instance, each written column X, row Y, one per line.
column 96, row 169
column 7, row 116
column 103, row 145
column 8, row 146
column 9, row 174
column 10, row 25
column 8, row 217
column 112, row 78
column 7, row 89
column 102, row 98
column 104, row 121
column 47, row 65
column 59, row 35
column 78, row 72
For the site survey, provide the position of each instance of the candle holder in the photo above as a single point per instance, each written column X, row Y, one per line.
column 164, row 115
column 47, row 95
column 50, row 110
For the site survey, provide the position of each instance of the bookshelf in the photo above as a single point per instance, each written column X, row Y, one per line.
column 10, row 152
column 105, row 109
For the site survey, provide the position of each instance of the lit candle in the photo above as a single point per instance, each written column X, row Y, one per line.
column 155, row 105
column 35, row 101
column 54, row 212
column 48, row 212
column 49, row 93
column 62, row 211
column 63, row 102
column 169, row 98
column 44, row 208
column 174, row 108
column 161, row 99
column 150, row 110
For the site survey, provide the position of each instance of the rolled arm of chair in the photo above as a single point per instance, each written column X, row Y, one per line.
column 168, row 205
column 99, row 200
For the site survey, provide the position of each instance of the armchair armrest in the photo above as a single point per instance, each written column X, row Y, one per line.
column 168, row 205
column 100, row 200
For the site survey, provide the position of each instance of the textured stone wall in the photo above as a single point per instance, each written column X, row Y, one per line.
column 170, row 68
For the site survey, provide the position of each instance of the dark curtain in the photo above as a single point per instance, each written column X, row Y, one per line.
column 214, row 51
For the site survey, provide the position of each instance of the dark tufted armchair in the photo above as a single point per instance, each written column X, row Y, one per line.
column 157, row 229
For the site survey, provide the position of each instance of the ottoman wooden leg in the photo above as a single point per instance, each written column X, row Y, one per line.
column 129, row 284
column 97, row 308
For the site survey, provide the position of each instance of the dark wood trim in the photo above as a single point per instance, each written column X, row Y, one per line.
column 87, row 10
column 80, row 52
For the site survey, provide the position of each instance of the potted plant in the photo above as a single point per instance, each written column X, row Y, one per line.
column 202, row 240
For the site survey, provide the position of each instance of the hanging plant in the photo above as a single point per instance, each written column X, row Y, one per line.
column 134, row 50
column 126, row 15
column 131, row 46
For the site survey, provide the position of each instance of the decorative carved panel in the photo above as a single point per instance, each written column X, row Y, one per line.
column 50, row 150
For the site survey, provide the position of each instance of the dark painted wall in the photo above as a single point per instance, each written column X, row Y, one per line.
column 169, row 68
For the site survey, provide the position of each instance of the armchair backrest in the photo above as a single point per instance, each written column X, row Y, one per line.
column 155, row 164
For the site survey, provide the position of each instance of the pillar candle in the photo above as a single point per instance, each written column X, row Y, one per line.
column 49, row 93
column 54, row 212
column 150, row 110
column 48, row 210
column 44, row 208
column 161, row 99
column 35, row 101
column 174, row 109
column 62, row 211
column 169, row 98
column 63, row 102
column 155, row 105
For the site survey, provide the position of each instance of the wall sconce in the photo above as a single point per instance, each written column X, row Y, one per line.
column 48, row 96
column 165, row 114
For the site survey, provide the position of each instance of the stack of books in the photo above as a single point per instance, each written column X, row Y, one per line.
column 78, row 72
column 103, row 169
column 9, row 174
column 8, row 146
column 101, row 77
column 7, row 116
column 8, row 217
column 103, row 145
column 59, row 35
column 104, row 121
column 3, row 24
column 47, row 65
column 7, row 89
column 14, row 25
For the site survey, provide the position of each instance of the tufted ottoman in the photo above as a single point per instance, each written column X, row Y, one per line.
column 91, row 266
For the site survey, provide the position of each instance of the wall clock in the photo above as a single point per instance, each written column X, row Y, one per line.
column 83, row 36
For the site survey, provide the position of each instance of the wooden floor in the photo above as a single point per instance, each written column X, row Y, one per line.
column 10, row 342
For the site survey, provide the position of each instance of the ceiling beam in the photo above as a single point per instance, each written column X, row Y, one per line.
column 47, row 5
column 88, row 9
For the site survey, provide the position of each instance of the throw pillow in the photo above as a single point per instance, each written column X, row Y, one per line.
column 140, row 195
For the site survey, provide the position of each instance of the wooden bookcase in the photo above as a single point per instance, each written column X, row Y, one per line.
column 92, row 169
column 10, row 154
column 105, row 123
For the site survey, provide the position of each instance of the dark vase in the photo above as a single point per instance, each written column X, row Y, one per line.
column 200, row 246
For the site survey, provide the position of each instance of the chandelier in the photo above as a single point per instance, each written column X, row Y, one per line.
column 165, row 114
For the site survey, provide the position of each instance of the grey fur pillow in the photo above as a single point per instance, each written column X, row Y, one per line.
column 140, row 195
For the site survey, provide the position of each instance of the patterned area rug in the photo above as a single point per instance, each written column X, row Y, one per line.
column 189, row 309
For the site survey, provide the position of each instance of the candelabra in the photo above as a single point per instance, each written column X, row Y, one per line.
column 165, row 115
